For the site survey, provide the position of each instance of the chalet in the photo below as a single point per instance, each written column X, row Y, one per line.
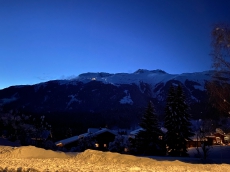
column 102, row 136
column 216, row 138
column 212, row 139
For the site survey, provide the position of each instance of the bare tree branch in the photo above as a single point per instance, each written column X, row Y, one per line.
column 219, row 87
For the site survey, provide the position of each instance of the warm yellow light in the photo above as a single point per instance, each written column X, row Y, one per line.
column 96, row 145
column 59, row 144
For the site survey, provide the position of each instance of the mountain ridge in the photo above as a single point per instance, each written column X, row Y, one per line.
column 106, row 74
column 114, row 99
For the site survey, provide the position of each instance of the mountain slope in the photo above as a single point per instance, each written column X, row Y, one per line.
column 118, row 98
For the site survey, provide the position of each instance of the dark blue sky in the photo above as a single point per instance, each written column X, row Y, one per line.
column 42, row 40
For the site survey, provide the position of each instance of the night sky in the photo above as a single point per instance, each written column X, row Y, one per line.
column 42, row 40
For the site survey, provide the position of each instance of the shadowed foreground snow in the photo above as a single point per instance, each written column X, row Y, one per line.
column 30, row 158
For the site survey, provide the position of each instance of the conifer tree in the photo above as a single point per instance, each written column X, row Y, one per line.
column 177, row 122
column 170, row 120
column 148, row 139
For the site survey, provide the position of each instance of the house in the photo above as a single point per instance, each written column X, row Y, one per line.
column 41, row 138
column 195, row 141
column 212, row 139
column 102, row 137
column 216, row 138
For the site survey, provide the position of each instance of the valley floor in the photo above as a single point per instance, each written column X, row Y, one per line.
column 29, row 158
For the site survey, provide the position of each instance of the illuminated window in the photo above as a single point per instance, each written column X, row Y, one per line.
column 218, row 140
column 160, row 137
column 96, row 145
column 105, row 145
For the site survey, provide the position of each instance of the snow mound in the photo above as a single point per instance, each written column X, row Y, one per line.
column 102, row 158
column 29, row 152
column 30, row 158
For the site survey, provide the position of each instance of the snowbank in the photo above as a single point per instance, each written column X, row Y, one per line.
column 30, row 158
column 29, row 152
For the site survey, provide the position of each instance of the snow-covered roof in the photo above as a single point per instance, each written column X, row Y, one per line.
column 164, row 130
column 67, row 141
column 91, row 132
column 103, row 130
column 84, row 135
column 95, row 132
column 135, row 132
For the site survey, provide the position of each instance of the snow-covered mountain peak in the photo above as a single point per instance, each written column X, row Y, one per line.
column 98, row 74
column 151, row 77
column 141, row 71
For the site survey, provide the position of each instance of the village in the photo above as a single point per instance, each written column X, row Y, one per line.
column 105, row 139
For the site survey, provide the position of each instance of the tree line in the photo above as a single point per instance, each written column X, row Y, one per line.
column 153, row 140
column 150, row 140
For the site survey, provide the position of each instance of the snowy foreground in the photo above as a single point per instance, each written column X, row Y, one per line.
column 30, row 158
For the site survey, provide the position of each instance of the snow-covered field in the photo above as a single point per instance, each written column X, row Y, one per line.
column 30, row 158
column 217, row 154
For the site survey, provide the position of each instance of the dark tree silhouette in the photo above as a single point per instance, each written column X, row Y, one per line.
column 177, row 122
column 149, row 139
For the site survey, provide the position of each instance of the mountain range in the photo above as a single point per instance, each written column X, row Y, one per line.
column 107, row 99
